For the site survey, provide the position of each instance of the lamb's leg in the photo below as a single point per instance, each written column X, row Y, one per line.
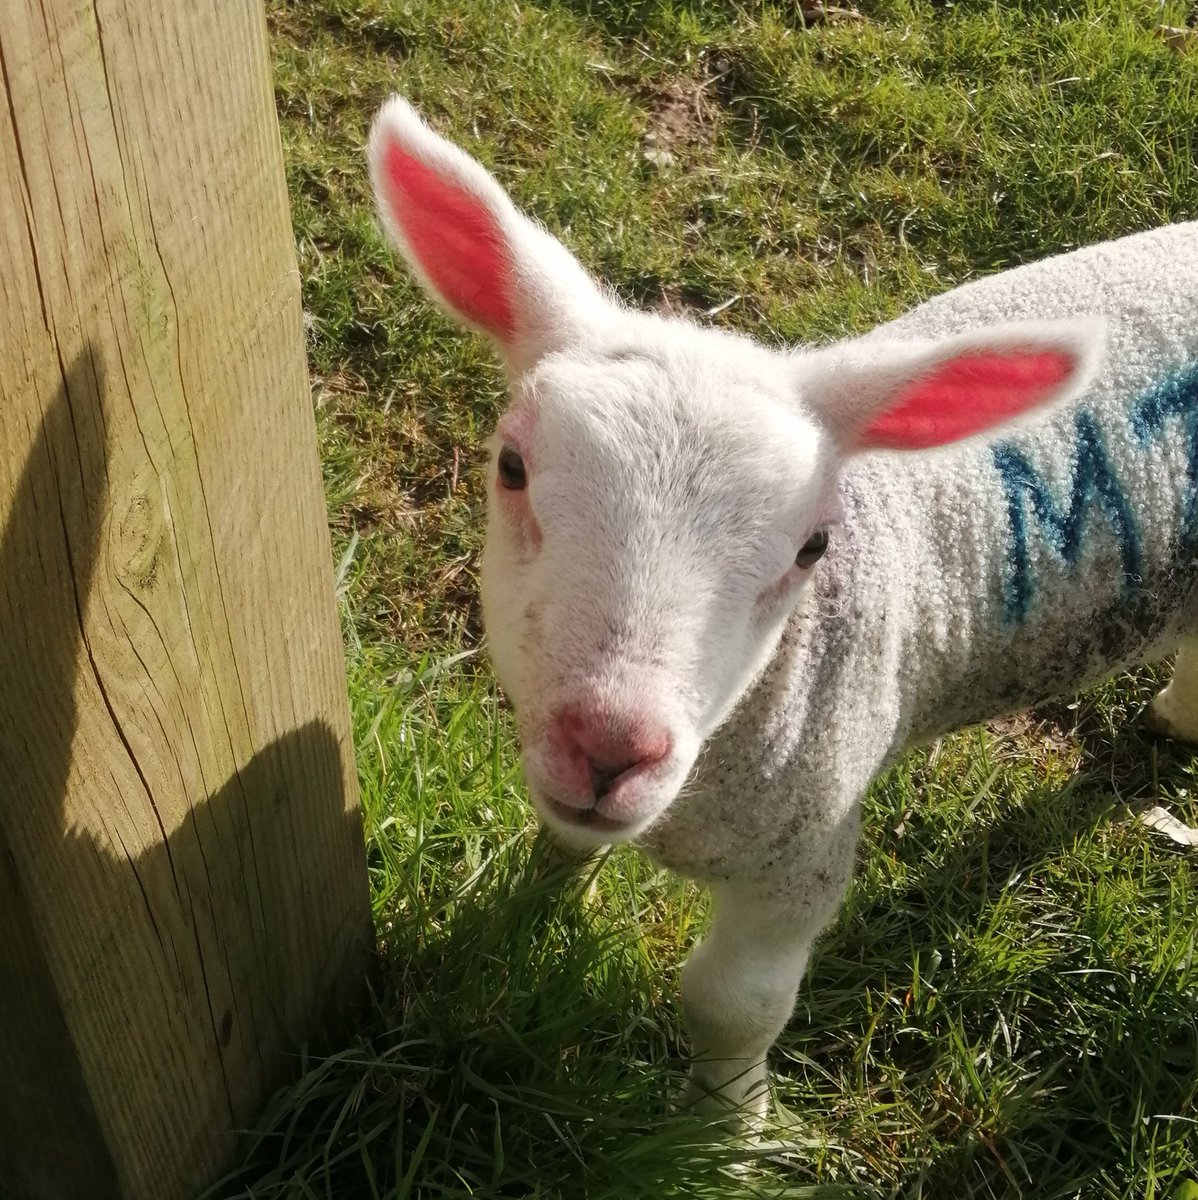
column 1175, row 711
column 738, row 991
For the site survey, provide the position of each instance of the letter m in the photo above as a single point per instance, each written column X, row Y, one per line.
column 1063, row 526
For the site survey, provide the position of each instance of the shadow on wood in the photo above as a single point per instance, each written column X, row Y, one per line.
column 146, row 1009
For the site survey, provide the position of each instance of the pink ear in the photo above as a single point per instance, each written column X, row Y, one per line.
column 966, row 395
column 453, row 238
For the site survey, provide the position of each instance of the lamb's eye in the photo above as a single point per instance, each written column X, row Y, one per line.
column 511, row 470
column 813, row 549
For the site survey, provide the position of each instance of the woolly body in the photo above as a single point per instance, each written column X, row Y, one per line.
column 908, row 632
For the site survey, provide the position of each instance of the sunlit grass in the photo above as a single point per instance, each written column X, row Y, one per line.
column 1008, row 1004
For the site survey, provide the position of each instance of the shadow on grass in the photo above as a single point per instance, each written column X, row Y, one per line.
column 517, row 1045
column 511, row 1054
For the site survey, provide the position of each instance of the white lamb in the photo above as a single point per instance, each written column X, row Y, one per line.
column 719, row 614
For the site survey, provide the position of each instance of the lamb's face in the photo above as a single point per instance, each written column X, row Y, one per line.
column 648, row 504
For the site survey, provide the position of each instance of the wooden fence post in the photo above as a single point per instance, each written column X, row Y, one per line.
column 182, row 885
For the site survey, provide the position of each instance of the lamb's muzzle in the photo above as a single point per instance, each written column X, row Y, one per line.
column 596, row 755
column 598, row 770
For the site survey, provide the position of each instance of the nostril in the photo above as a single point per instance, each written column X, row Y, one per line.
column 603, row 775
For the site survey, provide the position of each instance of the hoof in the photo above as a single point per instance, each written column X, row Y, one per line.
column 745, row 1118
column 1168, row 719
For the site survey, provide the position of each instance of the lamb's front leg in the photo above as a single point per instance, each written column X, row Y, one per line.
column 738, row 992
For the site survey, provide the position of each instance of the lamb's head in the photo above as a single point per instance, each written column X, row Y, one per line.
column 652, row 499
column 660, row 492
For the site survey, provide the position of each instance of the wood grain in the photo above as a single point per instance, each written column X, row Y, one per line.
column 182, row 886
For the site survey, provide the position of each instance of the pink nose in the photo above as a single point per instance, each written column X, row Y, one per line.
column 595, row 753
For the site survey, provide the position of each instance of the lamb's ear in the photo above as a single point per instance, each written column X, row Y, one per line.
column 491, row 267
column 877, row 395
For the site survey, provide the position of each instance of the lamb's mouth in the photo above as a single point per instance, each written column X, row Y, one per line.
column 587, row 818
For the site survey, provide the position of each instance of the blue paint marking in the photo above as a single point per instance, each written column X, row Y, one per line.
column 1177, row 397
column 1094, row 482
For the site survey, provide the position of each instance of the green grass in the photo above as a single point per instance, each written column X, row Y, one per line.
column 1008, row 1004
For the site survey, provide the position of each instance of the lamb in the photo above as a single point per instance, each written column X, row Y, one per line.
column 726, row 585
